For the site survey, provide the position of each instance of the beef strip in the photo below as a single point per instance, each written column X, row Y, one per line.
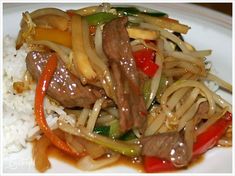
column 202, row 111
column 64, row 86
column 130, row 102
column 169, row 146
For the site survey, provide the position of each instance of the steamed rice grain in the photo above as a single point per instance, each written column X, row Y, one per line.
column 18, row 109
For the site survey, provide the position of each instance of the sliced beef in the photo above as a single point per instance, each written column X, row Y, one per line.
column 130, row 102
column 202, row 111
column 169, row 146
column 64, row 86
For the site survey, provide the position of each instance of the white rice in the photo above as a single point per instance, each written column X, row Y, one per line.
column 18, row 113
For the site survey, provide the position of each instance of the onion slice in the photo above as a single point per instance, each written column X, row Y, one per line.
column 88, row 164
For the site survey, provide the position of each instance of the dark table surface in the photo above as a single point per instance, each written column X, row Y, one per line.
column 225, row 8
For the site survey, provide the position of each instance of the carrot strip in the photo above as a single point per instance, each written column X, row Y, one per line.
column 41, row 88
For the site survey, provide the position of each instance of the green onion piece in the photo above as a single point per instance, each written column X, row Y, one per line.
column 157, row 14
column 133, row 11
column 115, row 129
column 129, row 135
column 102, row 130
column 147, row 90
column 127, row 11
column 161, row 88
column 115, row 145
column 100, row 18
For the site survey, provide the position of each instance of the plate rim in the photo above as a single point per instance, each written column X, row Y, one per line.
column 213, row 16
column 221, row 20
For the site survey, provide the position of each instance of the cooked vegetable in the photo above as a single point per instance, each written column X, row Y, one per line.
column 147, row 90
column 130, row 135
column 133, row 11
column 94, row 114
column 102, row 130
column 159, row 58
column 115, row 131
column 145, row 61
column 40, row 154
column 115, row 145
column 153, row 164
column 88, row 164
column 85, row 11
column 211, row 136
column 19, row 87
column 219, row 81
column 138, row 33
column 80, row 60
column 52, row 21
column 42, row 86
column 52, row 35
column 92, row 149
column 165, row 23
column 99, row 18
column 100, row 66
column 204, row 142
column 162, row 87
column 48, row 11
column 120, row 81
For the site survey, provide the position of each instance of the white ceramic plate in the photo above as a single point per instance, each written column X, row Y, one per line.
column 210, row 30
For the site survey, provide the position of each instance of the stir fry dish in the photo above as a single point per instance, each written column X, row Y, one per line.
column 129, row 84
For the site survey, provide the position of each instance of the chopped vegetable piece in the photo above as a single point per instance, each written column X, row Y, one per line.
column 133, row 11
column 139, row 33
column 100, row 18
column 129, row 135
column 161, row 88
column 52, row 21
column 115, row 131
column 145, row 61
column 115, row 145
column 154, row 164
column 128, row 11
column 92, row 29
column 19, row 87
column 40, row 154
column 147, row 90
column 165, row 23
column 204, row 142
column 102, row 130
column 80, row 60
column 211, row 136
column 42, row 86
column 52, row 35
column 84, row 11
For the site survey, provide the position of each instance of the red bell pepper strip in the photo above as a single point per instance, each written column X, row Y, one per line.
column 92, row 29
column 211, row 136
column 70, row 13
column 154, row 164
column 204, row 142
column 41, row 88
column 144, row 59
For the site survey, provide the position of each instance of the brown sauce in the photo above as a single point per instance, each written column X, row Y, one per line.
column 53, row 152
column 196, row 161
